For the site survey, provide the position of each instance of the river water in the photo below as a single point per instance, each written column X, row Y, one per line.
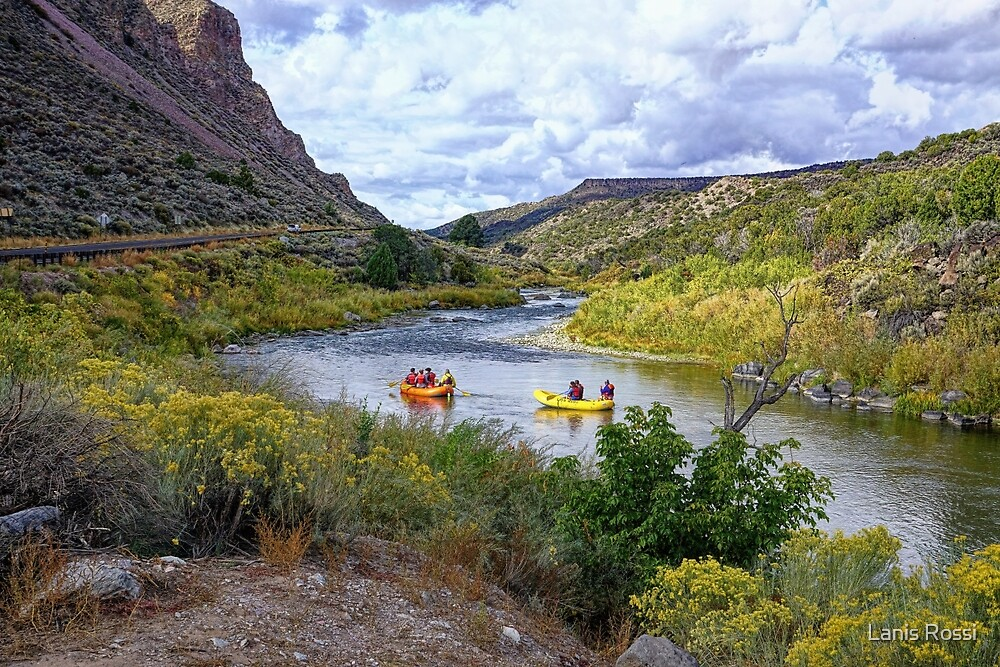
column 926, row 482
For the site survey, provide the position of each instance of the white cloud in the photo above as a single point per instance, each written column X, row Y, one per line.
column 435, row 109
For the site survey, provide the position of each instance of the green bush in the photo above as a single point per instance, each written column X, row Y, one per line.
column 381, row 268
column 185, row 160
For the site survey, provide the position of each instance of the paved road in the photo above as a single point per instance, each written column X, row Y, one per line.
column 55, row 253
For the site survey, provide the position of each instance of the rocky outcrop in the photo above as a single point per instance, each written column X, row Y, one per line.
column 145, row 110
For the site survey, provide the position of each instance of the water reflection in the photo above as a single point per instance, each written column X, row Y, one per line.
column 577, row 421
column 427, row 405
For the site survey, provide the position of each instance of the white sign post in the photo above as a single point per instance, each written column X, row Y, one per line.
column 105, row 220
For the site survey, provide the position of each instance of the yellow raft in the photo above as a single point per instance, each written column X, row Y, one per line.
column 441, row 390
column 561, row 401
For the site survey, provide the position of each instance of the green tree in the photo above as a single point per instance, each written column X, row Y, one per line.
column 977, row 190
column 467, row 231
column 381, row 269
column 403, row 250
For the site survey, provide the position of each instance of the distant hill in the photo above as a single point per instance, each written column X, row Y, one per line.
column 795, row 212
column 146, row 110
column 503, row 223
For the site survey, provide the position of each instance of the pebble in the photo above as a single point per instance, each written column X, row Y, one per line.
column 219, row 643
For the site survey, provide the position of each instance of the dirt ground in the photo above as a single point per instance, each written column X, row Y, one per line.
column 378, row 604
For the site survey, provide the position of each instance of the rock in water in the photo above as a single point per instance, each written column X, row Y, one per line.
column 649, row 651
column 352, row 317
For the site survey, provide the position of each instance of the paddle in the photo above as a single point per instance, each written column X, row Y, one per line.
column 464, row 393
column 394, row 383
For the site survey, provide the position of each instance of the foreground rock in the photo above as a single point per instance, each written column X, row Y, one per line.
column 649, row 651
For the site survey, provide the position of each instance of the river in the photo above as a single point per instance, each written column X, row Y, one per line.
column 927, row 482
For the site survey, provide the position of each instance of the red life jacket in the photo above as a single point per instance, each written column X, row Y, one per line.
column 411, row 378
column 420, row 380
column 578, row 392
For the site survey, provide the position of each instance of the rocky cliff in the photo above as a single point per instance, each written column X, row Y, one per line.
column 146, row 110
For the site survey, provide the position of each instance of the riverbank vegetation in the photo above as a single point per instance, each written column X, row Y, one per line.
column 191, row 301
column 897, row 262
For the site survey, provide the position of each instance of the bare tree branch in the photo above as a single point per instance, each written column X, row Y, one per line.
column 789, row 318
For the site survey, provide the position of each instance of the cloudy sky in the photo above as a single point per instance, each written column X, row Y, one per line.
column 434, row 109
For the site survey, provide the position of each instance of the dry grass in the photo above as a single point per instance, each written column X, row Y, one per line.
column 622, row 631
column 455, row 560
column 34, row 596
column 135, row 257
column 284, row 546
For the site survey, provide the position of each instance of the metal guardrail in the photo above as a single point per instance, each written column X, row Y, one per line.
column 55, row 254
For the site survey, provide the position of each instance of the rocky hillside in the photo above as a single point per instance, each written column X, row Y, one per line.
column 146, row 110
column 821, row 213
column 502, row 223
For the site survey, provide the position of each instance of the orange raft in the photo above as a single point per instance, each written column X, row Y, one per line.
column 413, row 390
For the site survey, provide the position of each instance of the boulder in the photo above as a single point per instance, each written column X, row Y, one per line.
column 960, row 420
column 558, row 304
column 542, row 297
column 99, row 580
column 352, row 317
column 882, row 404
column 649, row 651
column 809, row 375
column 434, row 305
column 842, row 388
column 952, row 395
column 437, row 319
column 232, row 348
column 869, row 393
column 750, row 369
column 819, row 395
column 932, row 415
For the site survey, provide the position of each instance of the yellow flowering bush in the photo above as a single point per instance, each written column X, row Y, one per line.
column 712, row 608
column 831, row 601
column 397, row 488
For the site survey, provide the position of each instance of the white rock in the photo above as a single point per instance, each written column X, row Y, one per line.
column 172, row 560
column 99, row 580
column 301, row 657
column 232, row 349
column 219, row 643
column 512, row 634
column 317, row 580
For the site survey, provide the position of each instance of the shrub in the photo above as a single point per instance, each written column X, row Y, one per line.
column 185, row 160
column 55, row 452
column 818, row 598
column 217, row 176
column 381, row 268
column 162, row 213
column 120, row 227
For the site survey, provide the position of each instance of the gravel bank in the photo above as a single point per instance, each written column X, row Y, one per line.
column 554, row 337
